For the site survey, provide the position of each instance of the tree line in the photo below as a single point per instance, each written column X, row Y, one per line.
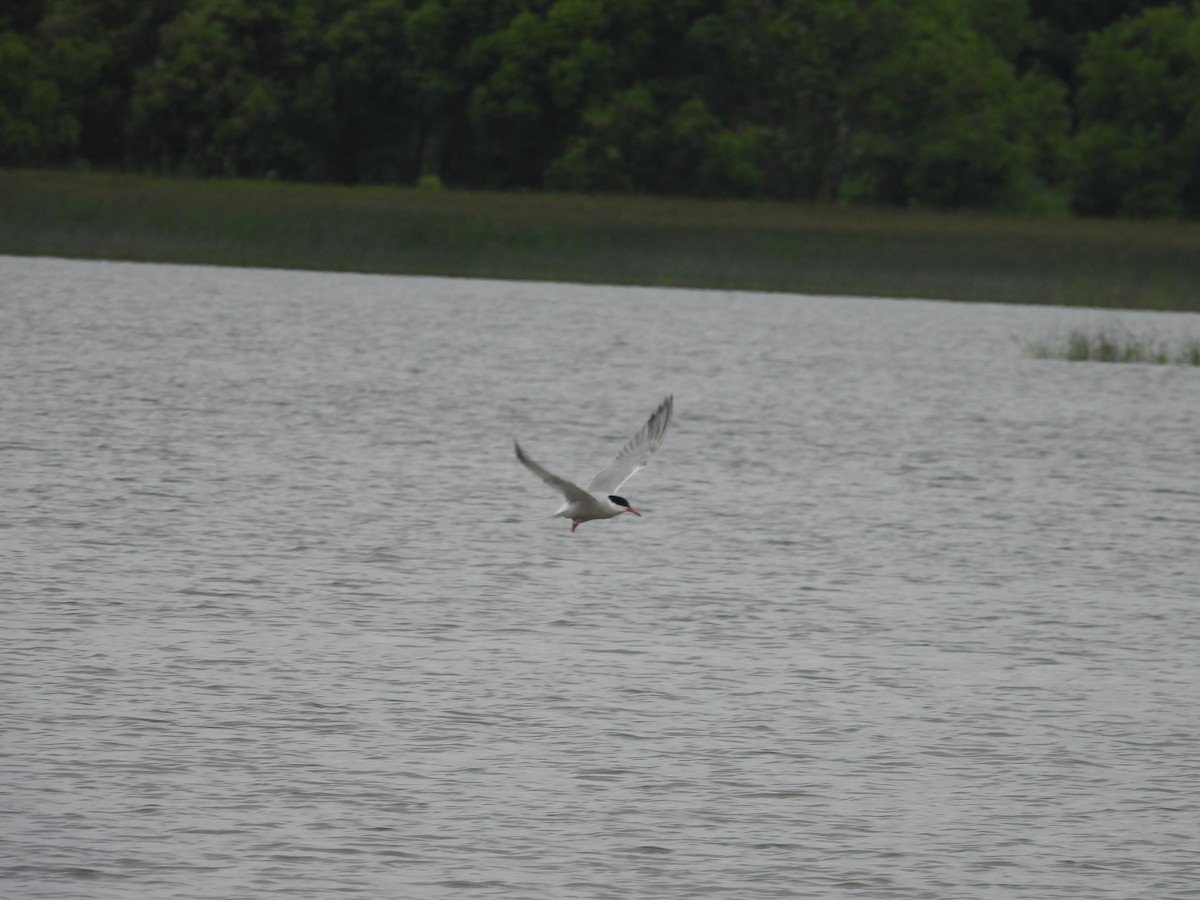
column 1017, row 105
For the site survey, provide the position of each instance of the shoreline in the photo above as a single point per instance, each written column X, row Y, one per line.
column 598, row 239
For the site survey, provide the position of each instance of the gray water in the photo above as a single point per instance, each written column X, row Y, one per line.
column 909, row 612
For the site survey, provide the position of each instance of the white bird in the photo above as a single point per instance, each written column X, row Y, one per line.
column 600, row 500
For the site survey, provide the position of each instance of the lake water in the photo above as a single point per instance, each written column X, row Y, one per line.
column 909, row 614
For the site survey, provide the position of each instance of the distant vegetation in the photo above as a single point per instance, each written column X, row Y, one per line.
column 1035, row 106
column 679, row 242
column 1118, row 345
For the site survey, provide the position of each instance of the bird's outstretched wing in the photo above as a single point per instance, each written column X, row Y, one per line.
column 564, row 487
column 635, row 454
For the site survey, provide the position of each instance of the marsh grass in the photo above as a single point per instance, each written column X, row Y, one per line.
column 1118, row 345
column 602, row 239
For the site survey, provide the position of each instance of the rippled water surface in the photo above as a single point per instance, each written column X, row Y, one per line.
column 909, row 613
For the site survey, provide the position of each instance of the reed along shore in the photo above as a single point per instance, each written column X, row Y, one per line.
column 727, row 245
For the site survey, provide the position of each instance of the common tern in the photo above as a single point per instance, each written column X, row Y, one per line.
column 600, row 500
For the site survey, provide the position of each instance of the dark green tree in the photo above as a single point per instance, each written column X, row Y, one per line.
column 1063, row 28
column 45, row 76
column 1137, row 151
column 535, row 76
column 951, row 122
column 451, row 61
column 125, row 36
column 239, row 88
column 372, row 137
column 788, row 80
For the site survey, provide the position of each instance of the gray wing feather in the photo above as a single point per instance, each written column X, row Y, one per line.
column 564, row 487
column 635, row 454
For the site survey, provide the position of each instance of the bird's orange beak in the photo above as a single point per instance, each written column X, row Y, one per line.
column 634, row 511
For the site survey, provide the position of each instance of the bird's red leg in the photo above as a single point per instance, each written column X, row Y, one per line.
column 574, row 525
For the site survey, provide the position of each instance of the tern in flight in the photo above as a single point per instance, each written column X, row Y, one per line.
column 600, row 500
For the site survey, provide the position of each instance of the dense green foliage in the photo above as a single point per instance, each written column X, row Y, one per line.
column 1020, row 105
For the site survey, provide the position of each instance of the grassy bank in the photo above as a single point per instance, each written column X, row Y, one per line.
column 616, row 240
